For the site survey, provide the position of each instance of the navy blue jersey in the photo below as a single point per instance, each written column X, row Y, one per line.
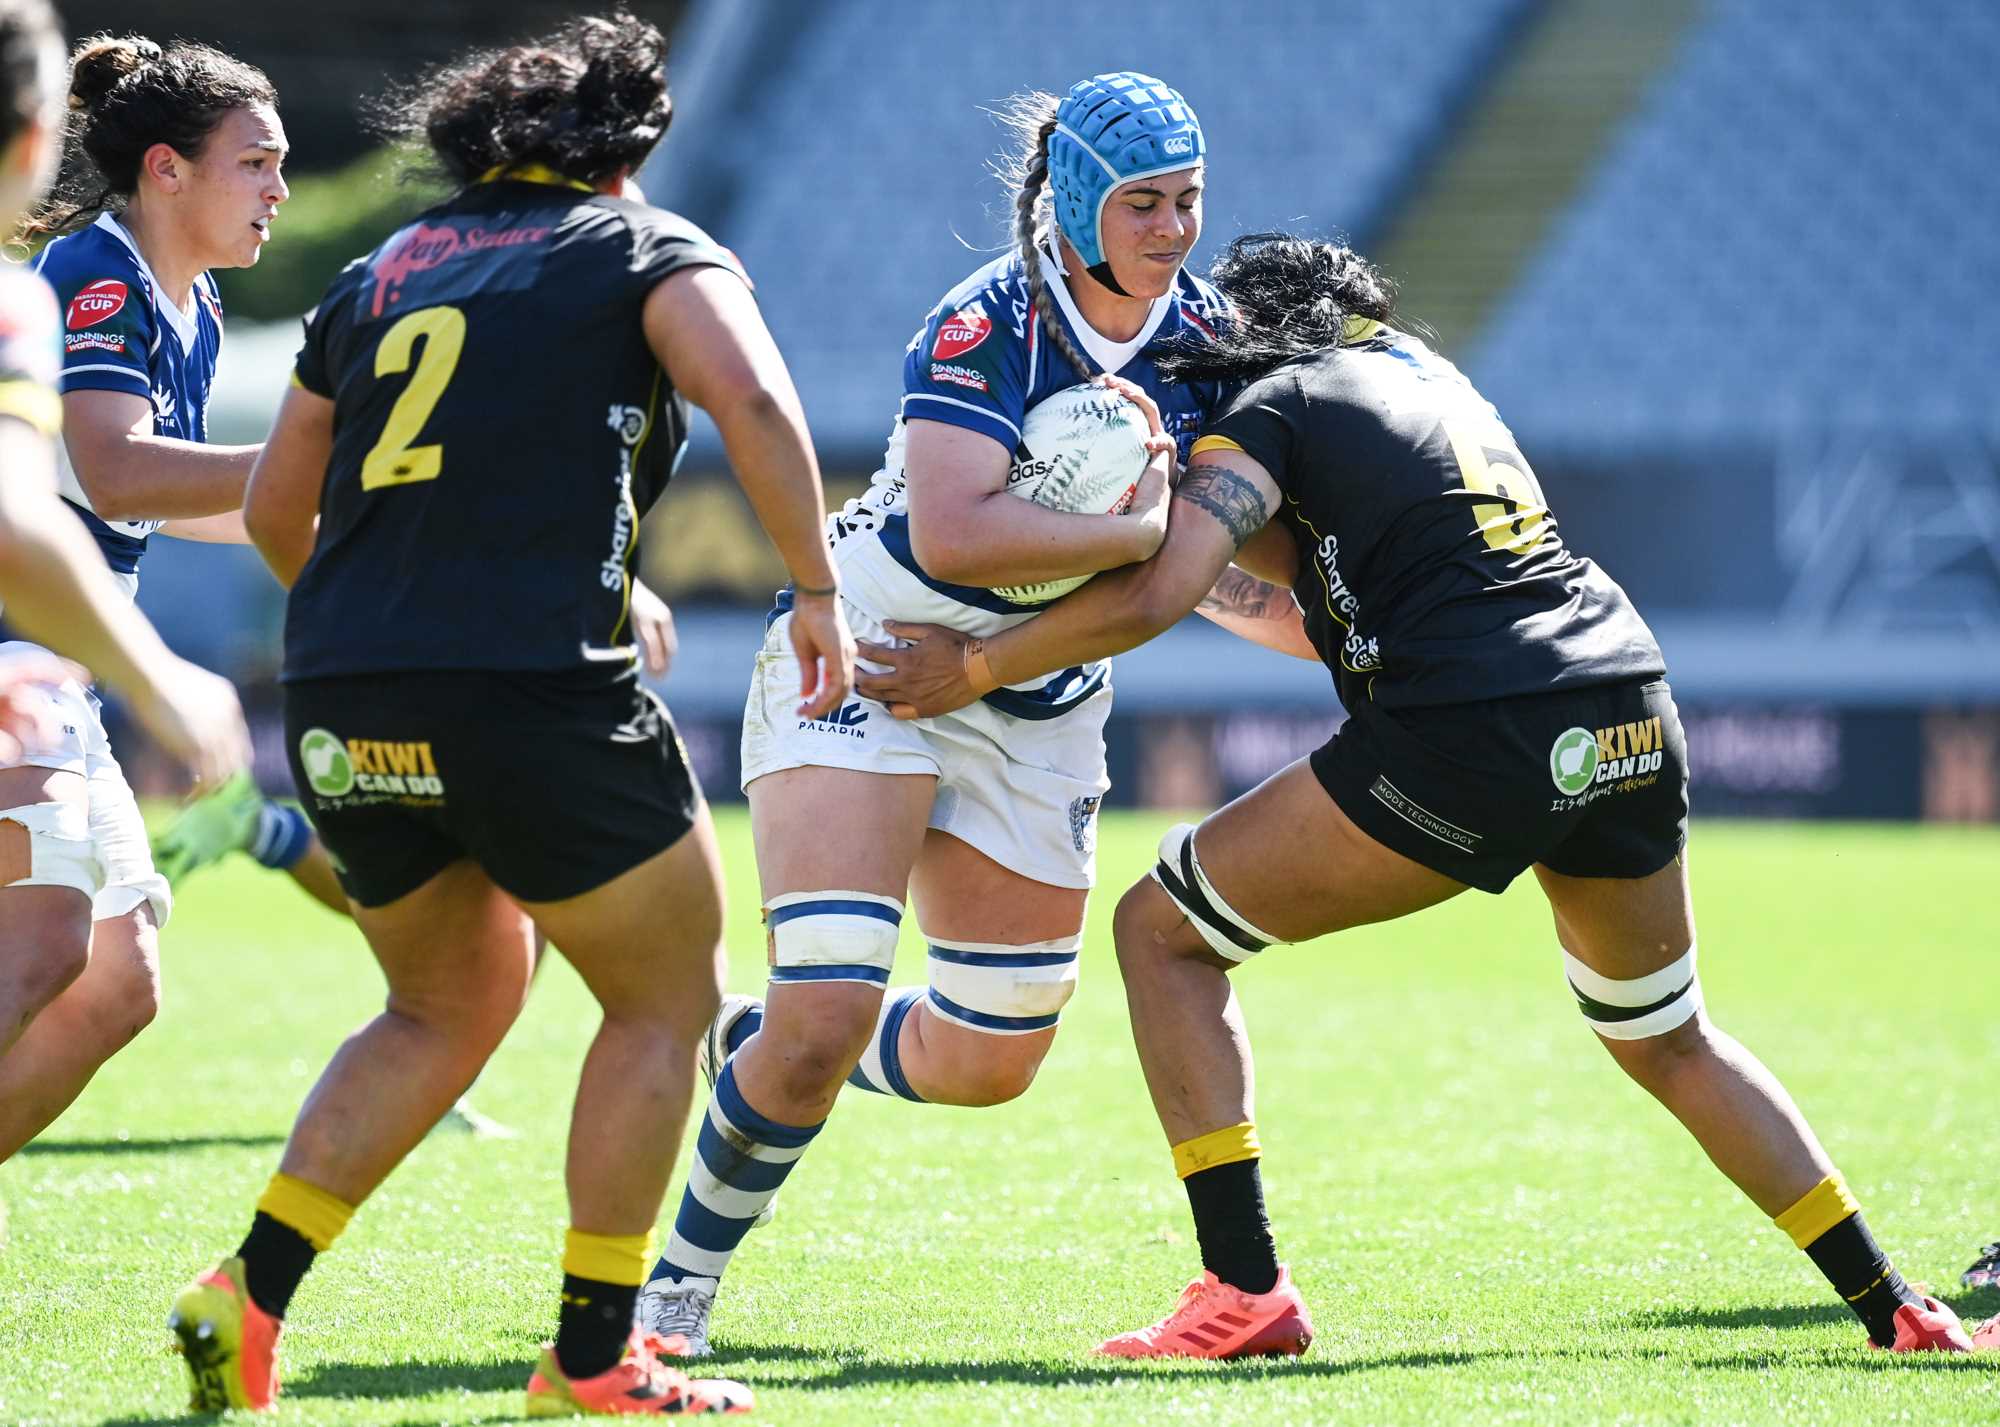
column 121, row 333
column 981, row 361
column 499, row 427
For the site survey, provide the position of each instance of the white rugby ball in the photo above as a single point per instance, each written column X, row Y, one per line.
column 1082, row 450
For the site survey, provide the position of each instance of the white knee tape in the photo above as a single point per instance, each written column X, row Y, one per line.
column 1179, row 874
column 1640, row 1008
column 832, row 936
column 1004, row 990
column 61, row 851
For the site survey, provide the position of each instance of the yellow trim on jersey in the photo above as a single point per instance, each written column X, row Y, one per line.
column 313, row 1213
column 30, row 401
column 1228, row 1145
column 533, row 173
column 1824, row 1205
column 608, row 1258
column 1358, row 329
column 1214, row 443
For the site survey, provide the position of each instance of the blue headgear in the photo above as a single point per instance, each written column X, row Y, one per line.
column 1110, row 130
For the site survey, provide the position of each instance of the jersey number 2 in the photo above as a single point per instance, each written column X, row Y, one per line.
column 395, row 461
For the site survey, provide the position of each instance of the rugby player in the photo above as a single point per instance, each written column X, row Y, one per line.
column 82, row 904
column 987, row 817
column 1508, row 709
column 462, row 698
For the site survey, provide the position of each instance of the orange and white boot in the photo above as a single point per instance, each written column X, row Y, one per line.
column 230, row 1344
column 1933, row 1328
column 1215, row 1320
column 637, row 1385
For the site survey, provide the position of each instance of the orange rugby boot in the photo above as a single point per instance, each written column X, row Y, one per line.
column 1214, row 1320
column 637, row 1385
column 1933, row 1328
column 230, row 1344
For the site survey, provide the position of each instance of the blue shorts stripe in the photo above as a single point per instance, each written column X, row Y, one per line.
column 992, row 1023
column 832, row 907
column 1002, row 958
column 735, row 1168
column 706, row 1229
column 837, row 971
column 765, row 1132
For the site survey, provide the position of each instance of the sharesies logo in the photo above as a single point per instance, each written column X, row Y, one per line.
column 960, row 333
column 97, row 301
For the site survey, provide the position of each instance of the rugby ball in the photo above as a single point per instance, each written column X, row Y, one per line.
column 1082, row 450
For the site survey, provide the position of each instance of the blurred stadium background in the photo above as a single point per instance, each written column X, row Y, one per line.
column 1726, row 266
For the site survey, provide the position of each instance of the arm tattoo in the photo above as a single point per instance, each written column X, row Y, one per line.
column 1247, row 597
column 1228, row 497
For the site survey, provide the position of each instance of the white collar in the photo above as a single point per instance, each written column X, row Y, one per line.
column 185, row 325
column 1110, row 355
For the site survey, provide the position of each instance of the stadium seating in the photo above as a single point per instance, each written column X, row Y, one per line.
column 1792, row 233
column 855, row 216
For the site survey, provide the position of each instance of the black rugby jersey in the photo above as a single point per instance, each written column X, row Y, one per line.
column 500, row 426
column 1430, row 569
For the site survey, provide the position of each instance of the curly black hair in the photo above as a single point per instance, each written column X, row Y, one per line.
column 585, row 101
column 126, row 94
column 1293, row 296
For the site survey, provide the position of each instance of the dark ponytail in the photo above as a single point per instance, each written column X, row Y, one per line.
column 1025, row 170
column 127, row 94
column 586, row 101
column 30, row 61
column 1292, row 296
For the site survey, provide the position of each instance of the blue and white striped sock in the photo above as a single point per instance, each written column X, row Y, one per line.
column 281, row 836
column 881, row 1068
column 740, row 1159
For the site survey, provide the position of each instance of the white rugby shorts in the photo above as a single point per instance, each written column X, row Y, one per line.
column 101, row 850
column 1023, row 791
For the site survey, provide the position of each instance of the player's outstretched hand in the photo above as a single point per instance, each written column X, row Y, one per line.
column 653, row 627
column 926, row 674
column 27, row 721
column 197, row 718
column 825, row 649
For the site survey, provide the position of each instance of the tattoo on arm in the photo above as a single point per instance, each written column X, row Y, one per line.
column 1228, row 497
column 1247, row 597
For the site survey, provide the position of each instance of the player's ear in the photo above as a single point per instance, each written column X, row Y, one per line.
column 164, row 165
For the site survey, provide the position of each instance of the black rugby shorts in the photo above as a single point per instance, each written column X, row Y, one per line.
column 553, row 783
column 1588, row 782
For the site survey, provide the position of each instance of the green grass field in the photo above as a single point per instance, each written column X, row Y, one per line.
column 1490, row 1223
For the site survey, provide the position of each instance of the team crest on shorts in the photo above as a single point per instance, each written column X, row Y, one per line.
column 1573, row 761
column 1083, row 822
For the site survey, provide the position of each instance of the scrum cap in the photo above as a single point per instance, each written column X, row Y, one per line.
column 1111, row 129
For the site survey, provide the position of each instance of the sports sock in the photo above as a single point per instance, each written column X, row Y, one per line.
column 601, row 1274
column 880, row 1070
column 1226, row 1192
column 1827, row 1224
column 281, row 836
column 747, row 1025
column 295, row 1223
column 740, row 1159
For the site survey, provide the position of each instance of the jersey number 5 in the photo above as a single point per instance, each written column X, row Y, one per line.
column 1515, row 519
column 395, row 461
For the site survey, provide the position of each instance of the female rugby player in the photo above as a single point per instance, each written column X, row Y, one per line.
column 987, row 816
column 1507, row 709
column 80, row 904
column 462, row 699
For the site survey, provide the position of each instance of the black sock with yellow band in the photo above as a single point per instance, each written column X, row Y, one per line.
column 1827, row 1224
column 1226, row 1193
column 295, row 1223
column 601, row 1278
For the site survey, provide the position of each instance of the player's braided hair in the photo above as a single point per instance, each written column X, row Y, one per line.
column 1292, row 296
column 127, row 94
column 29, row 35
column 585, row 101
column 1032, row 117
